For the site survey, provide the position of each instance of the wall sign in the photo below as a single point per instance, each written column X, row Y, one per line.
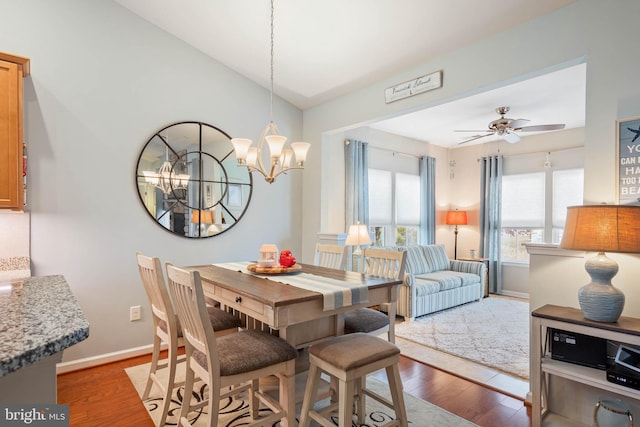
column 628, row 158
column 413, row 87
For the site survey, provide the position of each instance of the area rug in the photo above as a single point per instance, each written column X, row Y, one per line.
column 493, row 332
column 235, row 412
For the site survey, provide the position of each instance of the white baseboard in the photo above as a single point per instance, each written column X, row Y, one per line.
column 90, row 362
column 514, row 294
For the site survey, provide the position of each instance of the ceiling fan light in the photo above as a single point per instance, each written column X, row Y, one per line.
column 510, row 137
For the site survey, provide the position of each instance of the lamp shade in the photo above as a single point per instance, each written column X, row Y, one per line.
column 358, row 235
column 202, row 217
column 457, row 218
column 602, row 228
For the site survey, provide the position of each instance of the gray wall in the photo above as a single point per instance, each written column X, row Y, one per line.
column 102, row 82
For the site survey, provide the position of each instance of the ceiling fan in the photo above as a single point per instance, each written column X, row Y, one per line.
column 506, row 128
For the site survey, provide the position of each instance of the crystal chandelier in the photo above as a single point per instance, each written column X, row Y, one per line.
column 280, row 156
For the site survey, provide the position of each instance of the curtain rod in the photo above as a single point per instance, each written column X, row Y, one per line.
column 400, row 153
column 535, row 152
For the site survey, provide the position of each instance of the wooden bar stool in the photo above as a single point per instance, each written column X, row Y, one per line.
column 348, row 359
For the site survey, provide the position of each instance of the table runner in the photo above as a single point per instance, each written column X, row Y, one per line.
column 336, row 293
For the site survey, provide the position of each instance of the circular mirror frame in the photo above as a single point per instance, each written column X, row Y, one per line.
column 189, row 181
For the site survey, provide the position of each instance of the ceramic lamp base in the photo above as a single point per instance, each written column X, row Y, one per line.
column 599, row 300
column 602, row 303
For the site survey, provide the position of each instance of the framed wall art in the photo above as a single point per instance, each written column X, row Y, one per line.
column 628, row 161
column 234, row 195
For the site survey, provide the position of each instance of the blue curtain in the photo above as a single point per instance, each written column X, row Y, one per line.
column 356, row 171
column 427, row 168
column 356, row 156
column 490, row 217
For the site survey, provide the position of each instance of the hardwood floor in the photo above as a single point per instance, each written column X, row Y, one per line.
column 104, row 396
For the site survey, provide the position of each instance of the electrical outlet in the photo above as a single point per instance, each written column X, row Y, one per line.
column 135, row 313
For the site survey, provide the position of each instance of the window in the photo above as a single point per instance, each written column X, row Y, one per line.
column 567, row 191
column 534, row 208
column 523, row 214
column 394, row 207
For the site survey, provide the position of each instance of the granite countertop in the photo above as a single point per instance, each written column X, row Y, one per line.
column 39, row 316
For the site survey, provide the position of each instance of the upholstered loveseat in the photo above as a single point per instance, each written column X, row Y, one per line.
column 432, row 282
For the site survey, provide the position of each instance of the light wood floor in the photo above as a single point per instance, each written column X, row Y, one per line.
column 104, row 396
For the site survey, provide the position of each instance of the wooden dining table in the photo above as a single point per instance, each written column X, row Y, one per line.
column 295, row 314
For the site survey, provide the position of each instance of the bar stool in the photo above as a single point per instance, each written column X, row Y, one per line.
column 348, row 359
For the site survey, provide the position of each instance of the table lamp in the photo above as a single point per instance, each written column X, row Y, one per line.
column 358, row 235
column 456, row 218
column 602, row 228
column 201, row 218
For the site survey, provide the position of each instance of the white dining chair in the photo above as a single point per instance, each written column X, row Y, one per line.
column 167, row 329
column 330, row 256
column 231, row 360
column 378, row 262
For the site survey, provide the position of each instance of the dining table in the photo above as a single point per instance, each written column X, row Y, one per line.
column 302, row 307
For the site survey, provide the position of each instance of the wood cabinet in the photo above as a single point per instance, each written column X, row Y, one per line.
column 583, row 382
column 12, row 70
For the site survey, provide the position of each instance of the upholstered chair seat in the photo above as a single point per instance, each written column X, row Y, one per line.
column 365, row 320
column 220, row 320
column 248, row 351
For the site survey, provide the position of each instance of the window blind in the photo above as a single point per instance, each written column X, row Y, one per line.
column 523, row 200
column 380, row 197
column 568, row 185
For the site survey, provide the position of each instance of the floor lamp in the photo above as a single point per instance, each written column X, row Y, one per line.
column 456, row 218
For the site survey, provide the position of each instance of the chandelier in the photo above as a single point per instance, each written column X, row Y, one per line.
column 280, row 156
column 166, row 179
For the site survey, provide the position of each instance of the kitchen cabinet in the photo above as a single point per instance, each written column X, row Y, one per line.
column 13, row 69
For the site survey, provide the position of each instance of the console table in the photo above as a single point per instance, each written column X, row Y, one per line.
column 584, row 385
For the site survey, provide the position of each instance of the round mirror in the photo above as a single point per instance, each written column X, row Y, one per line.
column 189, row 181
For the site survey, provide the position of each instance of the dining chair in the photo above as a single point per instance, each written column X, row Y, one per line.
column 330, row 256
column 167, row 329
column 234, row 362
column 378, row 262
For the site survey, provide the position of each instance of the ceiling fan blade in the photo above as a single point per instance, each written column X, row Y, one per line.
column 467, row 130
column 510, row 137
column 473, row 138
column 517, row 123
column 540, row 128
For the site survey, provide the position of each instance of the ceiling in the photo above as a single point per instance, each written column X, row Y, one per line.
column 557, row 97
column 325, row 49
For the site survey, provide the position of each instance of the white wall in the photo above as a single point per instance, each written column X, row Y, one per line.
column 102, row 82
column 602, row 34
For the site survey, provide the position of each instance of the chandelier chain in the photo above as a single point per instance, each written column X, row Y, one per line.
column 271, row 69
